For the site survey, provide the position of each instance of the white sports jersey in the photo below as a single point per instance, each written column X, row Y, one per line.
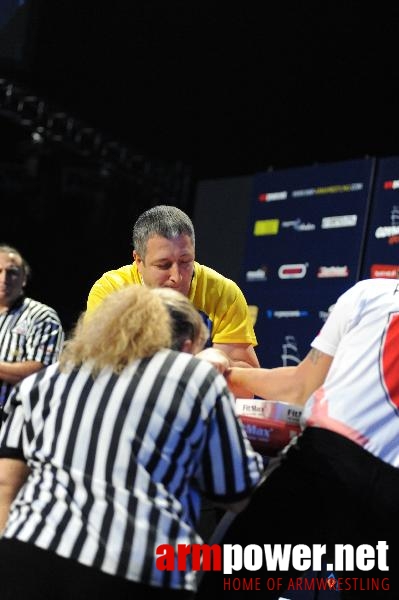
column 360, row 396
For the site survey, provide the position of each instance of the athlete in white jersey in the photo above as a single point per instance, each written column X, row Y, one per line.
column 338, row 482
column 362, row 334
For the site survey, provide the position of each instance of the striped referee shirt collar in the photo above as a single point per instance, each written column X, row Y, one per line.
column 16, row 304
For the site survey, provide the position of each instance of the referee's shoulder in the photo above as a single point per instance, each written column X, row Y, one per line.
column 40, row 308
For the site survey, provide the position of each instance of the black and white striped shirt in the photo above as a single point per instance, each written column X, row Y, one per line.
column 118, row 461
column 29, row 330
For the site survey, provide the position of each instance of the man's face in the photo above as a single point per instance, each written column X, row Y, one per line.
column 12, row 278
column 167, row 263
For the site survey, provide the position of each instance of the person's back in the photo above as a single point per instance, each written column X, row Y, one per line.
column 136, row 441
column 121, row 439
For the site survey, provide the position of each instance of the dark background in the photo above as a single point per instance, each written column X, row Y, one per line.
column 196, row 91
column 229, row 88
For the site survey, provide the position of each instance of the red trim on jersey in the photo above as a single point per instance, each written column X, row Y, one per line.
column 390, row 359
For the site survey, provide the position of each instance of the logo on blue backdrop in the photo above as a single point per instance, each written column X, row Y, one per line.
column 272, row 196
column 334, row 271
column 338, row 221
column 294, row 271
column 286, row 314
column 298, row 225
column 257, row 275
column 290, row 353
column 390, row 231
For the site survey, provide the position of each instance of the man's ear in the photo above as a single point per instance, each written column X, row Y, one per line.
column 187, row 346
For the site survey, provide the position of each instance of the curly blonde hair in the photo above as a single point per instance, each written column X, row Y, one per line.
column 130, row 323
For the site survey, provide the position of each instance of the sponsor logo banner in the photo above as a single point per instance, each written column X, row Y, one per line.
column 385, row 271
column 338, row 221
column 295, row 271
column 257, row 275
column 335, row 271
column 286, row 314
column 272, row 196
column 391, row 185
column 298, row 225
column 388, row 231
column 266, row 227
column 330, row 189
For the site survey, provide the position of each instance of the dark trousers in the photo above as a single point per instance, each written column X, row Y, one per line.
column 326, row 490
column 29, row 573
column 210, row 516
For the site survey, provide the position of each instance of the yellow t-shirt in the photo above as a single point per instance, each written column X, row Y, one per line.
column 219, row 299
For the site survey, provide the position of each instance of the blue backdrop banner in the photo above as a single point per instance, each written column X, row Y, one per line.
column 305, row 242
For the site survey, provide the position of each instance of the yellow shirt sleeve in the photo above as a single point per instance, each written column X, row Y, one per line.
column 224, row 304
column 110, row 282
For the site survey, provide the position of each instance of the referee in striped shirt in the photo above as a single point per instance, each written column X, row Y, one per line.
column 105, row 455
column 31, row 334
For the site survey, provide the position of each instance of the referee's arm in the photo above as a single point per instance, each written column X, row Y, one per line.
column 14, row 372
column 13, row 474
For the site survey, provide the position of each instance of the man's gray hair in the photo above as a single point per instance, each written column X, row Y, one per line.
column 166, row 221
column 7, row 249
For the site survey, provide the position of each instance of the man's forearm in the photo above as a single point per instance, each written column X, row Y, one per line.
column 13, row 474
column 14, row 372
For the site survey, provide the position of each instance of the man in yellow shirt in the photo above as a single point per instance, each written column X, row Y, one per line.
column 164, row 256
